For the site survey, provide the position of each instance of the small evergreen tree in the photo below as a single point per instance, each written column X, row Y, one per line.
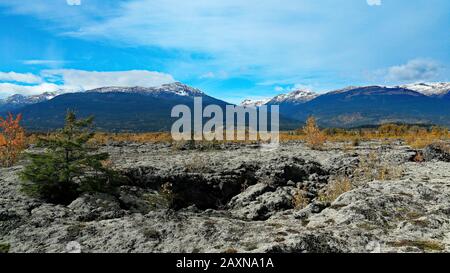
column 68, row 165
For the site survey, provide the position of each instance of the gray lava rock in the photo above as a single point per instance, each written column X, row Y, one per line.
column 96, row 206
column 260, row 202
column 243, row 203
column 436, row 152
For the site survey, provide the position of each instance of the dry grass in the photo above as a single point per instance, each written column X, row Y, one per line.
column 105, row 138
column 230, row 251
column 335, row 188
column 416, row 137
column 300, row 200
column 421, row 244
column 199, row 164
column 372, row 167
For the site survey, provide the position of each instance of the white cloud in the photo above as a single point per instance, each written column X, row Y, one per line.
column 374, row 2
column 86, row 80
column 414, row 70
column 242, row 36
column 270, row 41
column 8, row 89
column 70, row 80
column 43, row 62
column 299, row 86
column 208, row 75
column 293, row 87
column 19, row 77
column 73, row 2
column 214, row 75
column 279, row 89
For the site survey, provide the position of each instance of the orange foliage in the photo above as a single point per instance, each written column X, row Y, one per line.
column 12, row 139
column 416, row 137
column 314, row 136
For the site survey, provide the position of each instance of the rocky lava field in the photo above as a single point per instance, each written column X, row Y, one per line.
column 244, row 198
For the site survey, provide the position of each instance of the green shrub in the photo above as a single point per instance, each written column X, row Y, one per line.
column 68, row 166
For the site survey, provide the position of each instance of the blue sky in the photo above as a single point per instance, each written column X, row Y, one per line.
column 230, row 49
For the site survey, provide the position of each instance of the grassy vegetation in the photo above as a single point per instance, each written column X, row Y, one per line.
column 425, row 245
column 372, row 167
column 230, row 250
column 335, row 188
column 4, row 248
column 300, row 199
column 413, row 135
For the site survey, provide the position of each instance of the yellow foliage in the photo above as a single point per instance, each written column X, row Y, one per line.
column 315, row 138
column 12, row 140
column 416, row 137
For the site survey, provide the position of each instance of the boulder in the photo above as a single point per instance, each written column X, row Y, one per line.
column 260, row 202
column 96, row 206
column 437, row 152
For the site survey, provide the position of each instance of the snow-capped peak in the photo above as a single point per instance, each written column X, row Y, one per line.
column 172, row 88
column 254, row 103
column 343, row 90
column 43, row 97
column 429, row 89
column 297, row 96
column 21, row 99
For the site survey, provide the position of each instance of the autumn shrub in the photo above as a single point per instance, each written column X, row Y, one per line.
column 12, row 140
column 356, row 141
column 418, row 157
column 315, row 138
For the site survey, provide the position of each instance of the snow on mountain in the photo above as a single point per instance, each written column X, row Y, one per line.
column 297, row 96
column 171, row 88
column 18, row 99
column 429, row 89
column 254, row 103
column 343, row 90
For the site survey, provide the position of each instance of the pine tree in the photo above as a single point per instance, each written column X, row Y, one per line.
column 68, row 165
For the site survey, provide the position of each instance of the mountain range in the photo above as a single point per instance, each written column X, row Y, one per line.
column 117, row 109
column 139, row 109
column 421, row 103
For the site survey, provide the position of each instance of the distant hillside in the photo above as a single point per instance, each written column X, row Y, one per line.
column 116, row 109
column 374, row 105
column 117, row 112
column 138, row 109
column 371, row 105
column 18, row 101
